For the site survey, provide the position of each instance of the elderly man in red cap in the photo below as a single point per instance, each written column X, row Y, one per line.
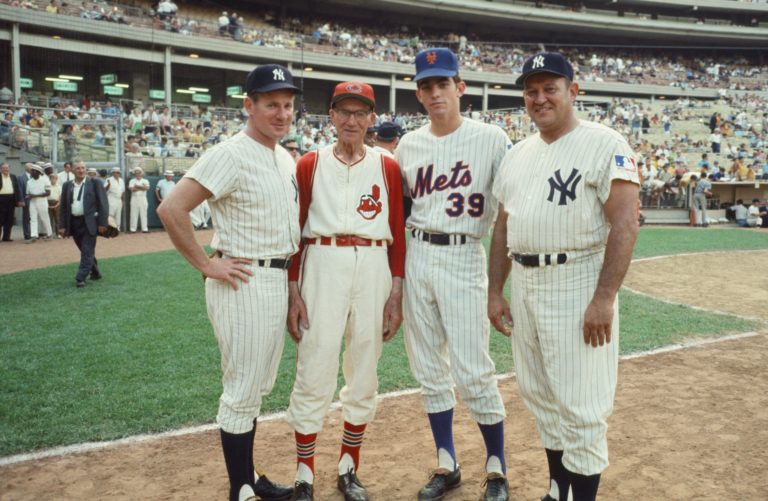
column 351, row 264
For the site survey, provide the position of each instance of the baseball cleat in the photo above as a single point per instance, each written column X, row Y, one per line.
column 268, row 491
column 350, row 486
column 496, row 487
column 439, row 484
column 302, row 491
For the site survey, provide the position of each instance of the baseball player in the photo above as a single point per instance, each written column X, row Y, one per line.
column 387, row 136
column 352, row 265
column 115, row 195
column 566, row 228
column 449, row 166
column 250, row 184
column 138, row 187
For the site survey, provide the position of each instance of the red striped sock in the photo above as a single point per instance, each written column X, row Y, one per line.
column 351, row 441
column 305, row 449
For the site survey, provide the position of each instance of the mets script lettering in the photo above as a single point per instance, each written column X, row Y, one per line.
column 566, row 188
column 425, row 185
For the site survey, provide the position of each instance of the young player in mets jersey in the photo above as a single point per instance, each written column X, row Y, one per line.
column 449, row 166
column 566, row 228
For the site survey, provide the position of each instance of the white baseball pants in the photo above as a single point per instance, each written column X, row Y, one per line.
column 344, row 290
column 568, row 385
column 249, row 324
column 447, row 330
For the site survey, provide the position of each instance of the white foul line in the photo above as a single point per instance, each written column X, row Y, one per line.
column 148, row 437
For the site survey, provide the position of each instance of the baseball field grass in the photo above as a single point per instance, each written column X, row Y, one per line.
column 134, row 353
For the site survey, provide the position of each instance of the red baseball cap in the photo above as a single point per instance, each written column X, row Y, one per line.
column 357, row 90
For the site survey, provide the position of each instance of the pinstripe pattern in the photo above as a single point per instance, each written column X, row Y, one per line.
column 446, row 328
column 254, row 204
column 478, row 146
column 249, row 326
column 567, row 384
column 536, row 225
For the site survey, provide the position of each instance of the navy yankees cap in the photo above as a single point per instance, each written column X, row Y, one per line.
column 546, row 62
column 269, row 77
column 438, row 62
column 388, row 131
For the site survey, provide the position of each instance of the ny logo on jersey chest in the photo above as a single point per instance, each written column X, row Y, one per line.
column 566, row 188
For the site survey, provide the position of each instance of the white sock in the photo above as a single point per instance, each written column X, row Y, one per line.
column 493, row 465
column 245, row 493
column 255, row 476
column 304, row 474
column 445, row 460
column 554, row 491
column 346, row 463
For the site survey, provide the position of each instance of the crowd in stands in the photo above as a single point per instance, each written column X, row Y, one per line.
column 400, row 44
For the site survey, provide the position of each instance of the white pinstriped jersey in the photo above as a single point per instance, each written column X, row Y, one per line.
column 349, row 200
column 554, row 193
column 254, row 206
column 449, row 178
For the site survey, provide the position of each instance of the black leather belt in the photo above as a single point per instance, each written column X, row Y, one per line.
column 440, row 238
column 533, row 260
column 281, row 264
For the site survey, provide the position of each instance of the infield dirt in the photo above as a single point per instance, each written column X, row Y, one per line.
column 688, row 424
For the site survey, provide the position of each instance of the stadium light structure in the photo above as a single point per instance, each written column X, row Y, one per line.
column 407, row 79
column 194, row 56
column 309, row 68
column 70, row 77
column 497, row 86
column 198, row 89
column 55, row 79
column 124, row 86
column 184, row 91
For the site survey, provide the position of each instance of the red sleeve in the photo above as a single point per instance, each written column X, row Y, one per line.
column 305, row 173
column 396, row 217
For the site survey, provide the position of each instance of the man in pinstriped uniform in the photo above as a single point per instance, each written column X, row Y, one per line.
column 249, row 181
column 449, row 166
column 566, row 228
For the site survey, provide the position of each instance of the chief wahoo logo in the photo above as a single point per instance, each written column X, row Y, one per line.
column 370, row 206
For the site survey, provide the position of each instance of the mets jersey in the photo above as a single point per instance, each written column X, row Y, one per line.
column 449, row 178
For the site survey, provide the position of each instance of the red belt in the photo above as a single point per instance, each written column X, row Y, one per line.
column 346, row 241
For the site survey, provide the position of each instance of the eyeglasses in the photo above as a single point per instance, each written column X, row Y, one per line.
column 359, row 115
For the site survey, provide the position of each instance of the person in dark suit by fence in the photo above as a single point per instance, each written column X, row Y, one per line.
column 83, row 216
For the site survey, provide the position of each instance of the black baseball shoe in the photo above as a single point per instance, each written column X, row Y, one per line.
column 95, row 276
column 80, row 284
column 439, row 484
column 350, row 486
column 268, row 491
column 496, row 487
column 302, row 491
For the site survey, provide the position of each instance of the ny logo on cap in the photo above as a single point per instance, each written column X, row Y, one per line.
column 538, row 62
column 277, row 74
column 431, row 57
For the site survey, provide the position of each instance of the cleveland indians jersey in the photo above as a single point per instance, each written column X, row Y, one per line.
column 449, row 178
column 554, row 193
